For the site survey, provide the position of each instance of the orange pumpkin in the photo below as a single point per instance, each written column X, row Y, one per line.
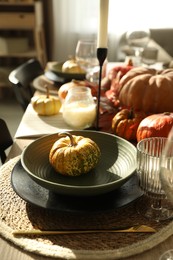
column 63, row 90
column 155, row 125
column 126, row 122
column 148, row 90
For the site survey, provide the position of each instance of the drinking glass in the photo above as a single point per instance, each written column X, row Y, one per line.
column 166, row 167
column 149, row 152
column 166, row 178
column 86, row 57
column 168, row 255
column 138, row 39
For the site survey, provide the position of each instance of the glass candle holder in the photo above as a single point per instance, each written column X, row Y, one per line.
column 79, row 108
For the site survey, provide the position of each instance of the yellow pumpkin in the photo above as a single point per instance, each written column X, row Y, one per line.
column 71, row 66
column 73, row 155
column 46, row 105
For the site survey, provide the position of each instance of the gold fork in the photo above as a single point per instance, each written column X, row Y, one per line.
column 134, row 229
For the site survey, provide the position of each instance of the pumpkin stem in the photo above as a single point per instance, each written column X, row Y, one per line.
column 47, row 91
column 64, row 134
column 131, row 113
column 166, row 113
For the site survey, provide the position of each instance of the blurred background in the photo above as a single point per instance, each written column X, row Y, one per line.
column 50, row 29
column 67, row 21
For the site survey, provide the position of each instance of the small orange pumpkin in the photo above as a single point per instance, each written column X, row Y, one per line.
column 63, row 90
column 155, row 125
column 126, row 122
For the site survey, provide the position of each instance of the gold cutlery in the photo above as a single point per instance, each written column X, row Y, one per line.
column 135, row 229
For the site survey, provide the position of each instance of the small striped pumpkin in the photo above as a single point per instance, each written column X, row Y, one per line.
column 46, row 105
column 73, row 155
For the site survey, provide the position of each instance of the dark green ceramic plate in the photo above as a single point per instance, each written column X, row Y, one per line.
column 57, row 68
column 37, row 195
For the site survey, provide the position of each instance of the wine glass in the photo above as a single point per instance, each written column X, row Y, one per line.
column 86, row 57
column 138, row 39
column 149, row 56
column 154, row 205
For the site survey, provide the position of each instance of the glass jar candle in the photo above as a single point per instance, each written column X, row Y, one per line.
column 79, row 108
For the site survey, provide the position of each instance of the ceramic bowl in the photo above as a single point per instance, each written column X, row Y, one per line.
column 116, row 165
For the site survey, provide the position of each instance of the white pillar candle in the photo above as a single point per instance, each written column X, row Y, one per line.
column 103, row 24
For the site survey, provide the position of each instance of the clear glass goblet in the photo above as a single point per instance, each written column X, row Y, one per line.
column 86, row 57
column 154, row 205
column 138, row 39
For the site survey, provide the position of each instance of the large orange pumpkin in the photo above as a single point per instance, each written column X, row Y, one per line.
column 155, row 125
column 148, row 90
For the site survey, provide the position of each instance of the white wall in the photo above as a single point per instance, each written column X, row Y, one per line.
column 69, row 20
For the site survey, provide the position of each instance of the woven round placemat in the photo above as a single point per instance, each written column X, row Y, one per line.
column 15, row 213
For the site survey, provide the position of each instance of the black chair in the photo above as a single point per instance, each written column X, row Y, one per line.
column 5, row 140
column 21, row 79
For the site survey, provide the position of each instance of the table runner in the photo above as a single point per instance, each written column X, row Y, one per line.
column 33, row 125
column 15, row 213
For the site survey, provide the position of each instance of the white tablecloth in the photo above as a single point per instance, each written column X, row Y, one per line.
column 33, row 125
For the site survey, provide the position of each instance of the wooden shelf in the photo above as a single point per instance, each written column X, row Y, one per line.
column 22, row 19
column 17, row 21
column 28, row 54
column 17, row 2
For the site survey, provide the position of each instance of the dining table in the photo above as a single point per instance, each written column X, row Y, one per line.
column 18, row 213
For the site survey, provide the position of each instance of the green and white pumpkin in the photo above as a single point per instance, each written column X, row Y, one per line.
column 73, row 155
